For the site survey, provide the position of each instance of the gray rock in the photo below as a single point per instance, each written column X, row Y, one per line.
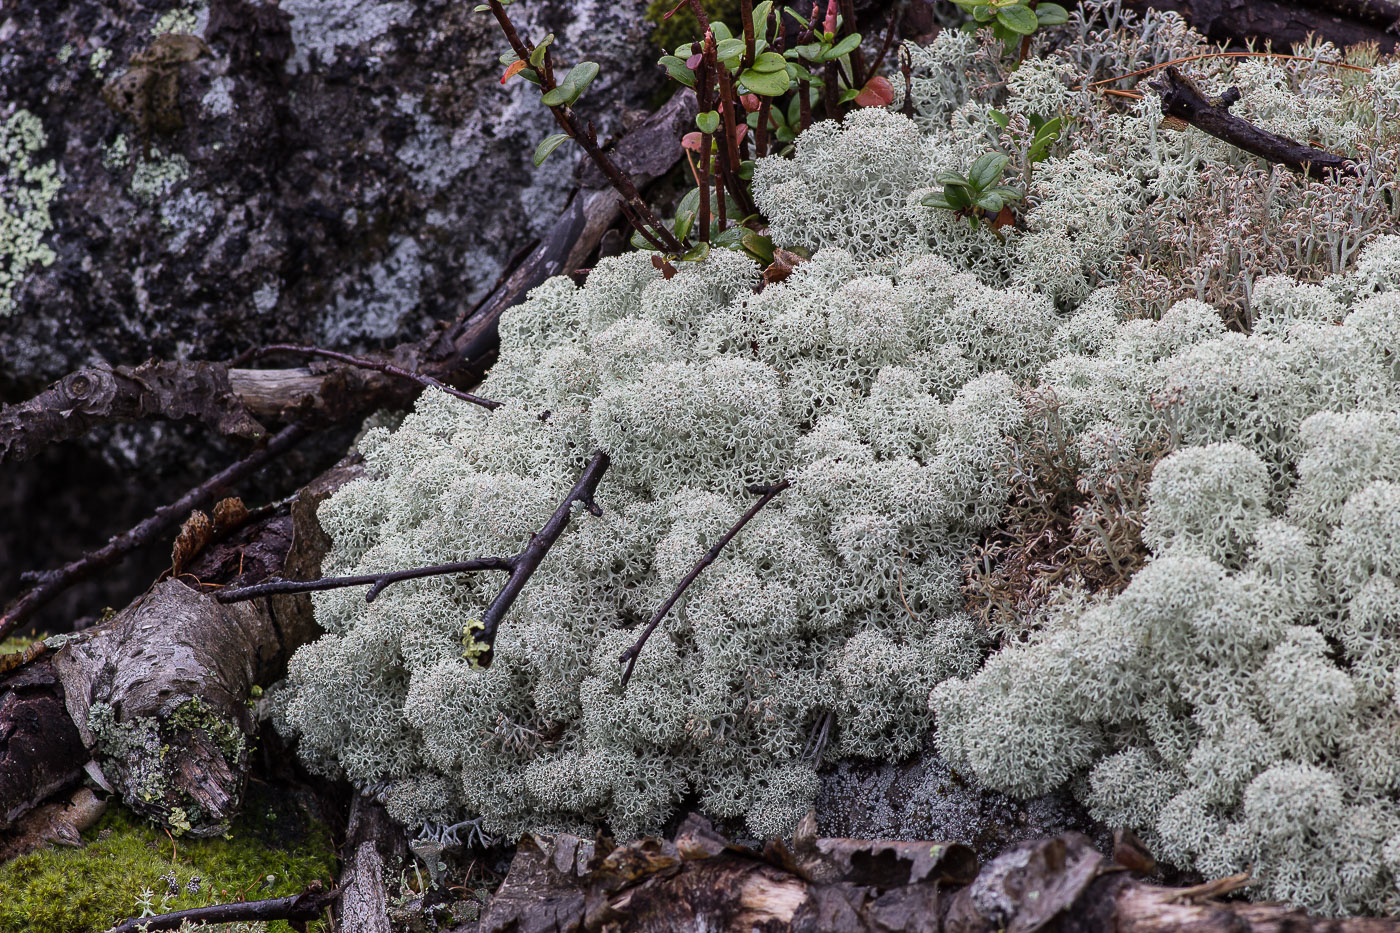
column 924, row 798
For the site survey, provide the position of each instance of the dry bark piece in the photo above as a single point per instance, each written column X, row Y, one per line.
column 701, row 882
column 374, row 849
column 1286, row 22
column 40, row 749
column 59, row 823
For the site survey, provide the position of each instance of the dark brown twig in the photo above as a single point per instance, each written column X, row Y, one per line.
column 1181, row 98
column 298, row 909
column 377, row 582
column 636, row 209
column 520, row 567
column 629, row 657
column 51, row 583
column 387, row 369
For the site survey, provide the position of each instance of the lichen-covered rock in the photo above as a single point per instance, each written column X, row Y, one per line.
column 336, row 172
column 330, row 171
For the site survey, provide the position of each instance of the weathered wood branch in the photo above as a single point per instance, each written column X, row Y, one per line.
column 700, row 881
column 1286, row 22
column 1181, row 98
column 374, row 850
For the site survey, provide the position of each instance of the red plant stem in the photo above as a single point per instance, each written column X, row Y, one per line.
column 730, row 157
column 804, row 98
column 702, row 94
column 831, row 92
column 761, row 134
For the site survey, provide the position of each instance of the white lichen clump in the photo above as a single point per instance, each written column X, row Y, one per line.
column 28, row 187
column 1235, row 704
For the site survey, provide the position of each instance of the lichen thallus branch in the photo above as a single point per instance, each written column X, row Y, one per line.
column 636, row 210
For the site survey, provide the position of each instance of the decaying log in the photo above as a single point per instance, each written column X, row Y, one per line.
column 701, row 882
column 1286, row 22
column 157, row 697
column 374, row 848
column 1181, row 98
column 40, row 749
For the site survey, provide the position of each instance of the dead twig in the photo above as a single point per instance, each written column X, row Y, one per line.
column 297, row 909
column 1181, row 98
column 387, row 369
column 520, row 567
column 51, row 583
column 629, row 657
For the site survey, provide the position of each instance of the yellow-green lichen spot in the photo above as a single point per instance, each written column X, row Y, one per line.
column 474, row 650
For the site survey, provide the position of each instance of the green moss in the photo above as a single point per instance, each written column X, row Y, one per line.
column 63, row 890
column 683, row 27
column 14, row 644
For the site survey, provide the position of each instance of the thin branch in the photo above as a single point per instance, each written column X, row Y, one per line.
column 51, row 583
column 1181, row 98
column 387, row 369
column 636, row 209
column 520, row 567
column 298, row 909
column 629, row 657
column 377, row 582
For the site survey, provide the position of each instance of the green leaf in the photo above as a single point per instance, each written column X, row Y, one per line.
column 969, row 27
column 1049, row 130
column 708, row 121
column 549, row 144
column 746, row 169
column 949, row 178
column 537, row 56
column 811, row 52
column 640, row 242
column 1019, row 19
column 760, row 18
column 696, row 253
column 684, row 221
column 720, row 30
column 728, row 238
column 957, row 196
column 850, row 94
column 675, row 67
column 845, row 47
column 990, row 202
column 766, row 83
column 986, row 171
column 770, row 61
column 758, row 246
column 983, row 13
column 936, row 200
column 729, row 48
column 1006, row 192
column 1051, row 14
column 574, row 84
column 999, row 118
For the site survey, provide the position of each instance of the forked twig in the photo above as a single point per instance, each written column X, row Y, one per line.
column 629, row 657
column 520, row 567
